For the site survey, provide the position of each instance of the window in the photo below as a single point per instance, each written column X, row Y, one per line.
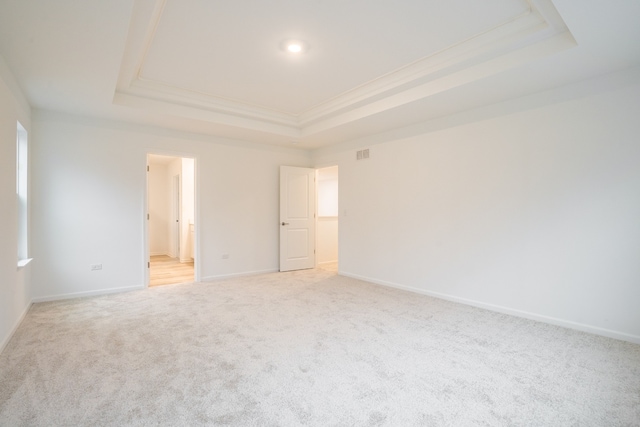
column 22, row 163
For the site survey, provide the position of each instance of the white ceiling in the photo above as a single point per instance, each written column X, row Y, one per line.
column 216, row 67
column 219, row 57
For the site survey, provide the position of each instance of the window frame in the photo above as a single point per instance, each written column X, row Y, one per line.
column 22, row 195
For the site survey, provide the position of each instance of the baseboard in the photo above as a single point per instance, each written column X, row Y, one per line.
column 230, row 276
column 506, row 310
column 88, row 294
column 328, row 262
column 13, row 330
column 161, row 254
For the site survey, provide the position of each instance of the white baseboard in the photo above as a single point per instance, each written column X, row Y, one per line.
column 88, row 293
column 230, row 276
column 506, row 310
column 328, row 262
column 14, row 328
column 161, row 254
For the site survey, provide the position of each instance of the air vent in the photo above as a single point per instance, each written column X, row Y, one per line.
column 362, row 154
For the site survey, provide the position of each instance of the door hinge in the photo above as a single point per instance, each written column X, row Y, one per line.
column 147, row 168
column 147, row 216
column 148, row 264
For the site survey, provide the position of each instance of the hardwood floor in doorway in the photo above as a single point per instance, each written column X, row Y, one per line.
column 165, row 270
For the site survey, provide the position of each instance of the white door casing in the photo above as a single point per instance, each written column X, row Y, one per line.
column 297, row 218
column 177, row 202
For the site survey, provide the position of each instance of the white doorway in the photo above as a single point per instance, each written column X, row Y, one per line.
column 327, row 221
column 171, row 220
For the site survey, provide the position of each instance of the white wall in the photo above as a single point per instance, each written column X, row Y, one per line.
column 15, row 294
column 327, row 240
column 535, row 213
column 89, row 203
column 159, row 194
column 327, row 224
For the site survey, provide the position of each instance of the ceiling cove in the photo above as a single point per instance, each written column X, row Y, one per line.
column 511, row 36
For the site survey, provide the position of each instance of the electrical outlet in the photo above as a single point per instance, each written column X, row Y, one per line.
column 95, row 267
column 225, row 256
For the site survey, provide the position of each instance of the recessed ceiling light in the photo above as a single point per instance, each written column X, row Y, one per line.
column 294, row 46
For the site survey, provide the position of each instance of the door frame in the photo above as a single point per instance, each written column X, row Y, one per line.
column 196, row 213
column 176, row 213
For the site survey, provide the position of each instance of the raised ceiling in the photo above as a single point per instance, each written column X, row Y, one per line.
column 217, row 57
column 215, row 67
column 364, row 57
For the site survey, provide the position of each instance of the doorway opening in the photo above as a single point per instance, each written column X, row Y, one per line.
column 327, row 219
column 171, row 219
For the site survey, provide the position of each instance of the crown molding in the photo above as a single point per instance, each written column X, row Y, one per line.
column 193, row 111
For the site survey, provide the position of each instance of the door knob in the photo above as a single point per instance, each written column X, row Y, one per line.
column 284, row 223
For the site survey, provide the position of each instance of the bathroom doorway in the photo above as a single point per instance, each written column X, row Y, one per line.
column 171, row 220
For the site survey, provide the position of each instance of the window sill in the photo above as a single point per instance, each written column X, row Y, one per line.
column 22, row 263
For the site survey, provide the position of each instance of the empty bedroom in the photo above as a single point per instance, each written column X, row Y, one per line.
column 319, row 213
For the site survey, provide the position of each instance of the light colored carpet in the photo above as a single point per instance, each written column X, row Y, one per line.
column 306, row 348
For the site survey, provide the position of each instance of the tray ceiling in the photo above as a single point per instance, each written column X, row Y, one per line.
column 197, row 45
column 215, row 67
column 220, row 61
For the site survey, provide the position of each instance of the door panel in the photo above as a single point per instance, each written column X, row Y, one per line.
column 297, row 195
column 297, row 218
column 297, row 240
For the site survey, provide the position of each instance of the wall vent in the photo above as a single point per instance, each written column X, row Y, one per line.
column 362, row 154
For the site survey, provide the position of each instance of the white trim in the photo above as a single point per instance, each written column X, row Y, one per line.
column 160, row 254
column 13, row 330
column 22, row 263
column 506, row 310
column 84, row 294
column 328, row 262
column 233, row 275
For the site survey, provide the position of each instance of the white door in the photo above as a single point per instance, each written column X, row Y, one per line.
column 297, row 218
